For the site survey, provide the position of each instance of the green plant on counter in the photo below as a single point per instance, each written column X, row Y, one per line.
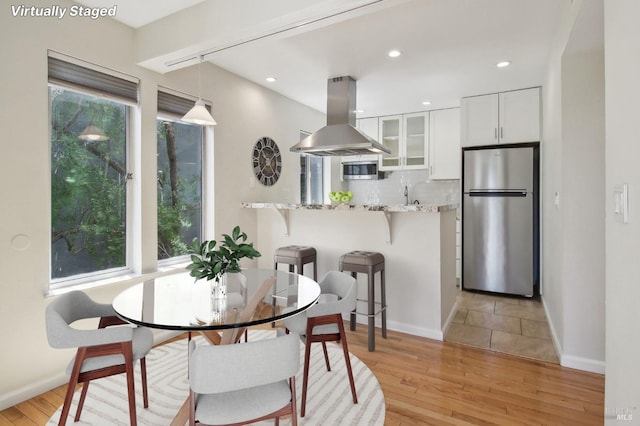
column 341, row 196
column 211, row 263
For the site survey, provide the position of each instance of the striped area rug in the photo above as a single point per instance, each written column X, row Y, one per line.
column 328, row 397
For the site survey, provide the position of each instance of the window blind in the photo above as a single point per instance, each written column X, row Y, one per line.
column 70, row 74
column 174, row 105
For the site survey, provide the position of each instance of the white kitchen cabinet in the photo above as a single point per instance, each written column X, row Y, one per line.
column 520, row 116
column 506, row 117
column 444, row 144
column 406, row 136
column 390, row 134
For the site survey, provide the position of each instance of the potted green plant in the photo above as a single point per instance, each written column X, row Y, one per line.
column 213, row 263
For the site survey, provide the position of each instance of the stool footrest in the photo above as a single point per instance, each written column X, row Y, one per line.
column 366, row 314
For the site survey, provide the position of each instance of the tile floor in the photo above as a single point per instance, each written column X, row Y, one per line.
column 505, row 324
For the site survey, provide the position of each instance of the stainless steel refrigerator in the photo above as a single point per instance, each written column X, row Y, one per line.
column 500, row 232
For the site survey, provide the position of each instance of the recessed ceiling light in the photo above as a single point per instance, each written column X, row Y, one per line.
column 394, row 53
column 426, row 103
column 271, row 79
column 503, row 64
column 358, row 111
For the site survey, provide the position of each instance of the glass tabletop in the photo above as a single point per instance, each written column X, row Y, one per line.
column 253, row 296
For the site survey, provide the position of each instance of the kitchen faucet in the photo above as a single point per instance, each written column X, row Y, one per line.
column 406, row 195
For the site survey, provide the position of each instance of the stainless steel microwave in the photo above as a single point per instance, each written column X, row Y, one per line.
column 361, row 170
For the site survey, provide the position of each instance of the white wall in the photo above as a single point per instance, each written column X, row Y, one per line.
column 583, row 207
column 572, row 167
column 622, row 82
column 243, row 110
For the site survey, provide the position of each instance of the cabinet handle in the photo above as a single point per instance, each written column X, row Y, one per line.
column 501, row 132
column 495, row 133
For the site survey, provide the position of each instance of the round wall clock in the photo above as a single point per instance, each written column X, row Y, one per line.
column 266, row 161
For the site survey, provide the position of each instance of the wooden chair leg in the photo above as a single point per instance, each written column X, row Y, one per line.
column 71, row 387
column 294, row 410
column 143, row 373
column 83, row 395
column 192, row 408
column 128, row 363
column 326, row 356
column 347, row 361
column 305, row 377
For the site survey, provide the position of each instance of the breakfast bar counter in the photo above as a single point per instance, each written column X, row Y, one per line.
column 418, row 242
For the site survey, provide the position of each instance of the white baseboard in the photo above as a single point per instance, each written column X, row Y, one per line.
column 572, row 361
column 402, row 328
column 584, row 364
column 34, row 389
column 450, row 319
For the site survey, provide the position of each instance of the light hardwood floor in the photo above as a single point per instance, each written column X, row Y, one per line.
column 440, row 383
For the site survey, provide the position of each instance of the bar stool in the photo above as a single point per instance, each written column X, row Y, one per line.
column 369, row 263
column 297, row 256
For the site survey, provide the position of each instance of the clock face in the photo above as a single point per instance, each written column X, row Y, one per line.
column 266, row 161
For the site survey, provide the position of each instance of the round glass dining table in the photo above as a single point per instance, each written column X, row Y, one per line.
column 251, row 297
column 179, row 302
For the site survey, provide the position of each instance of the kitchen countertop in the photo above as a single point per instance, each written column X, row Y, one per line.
column 426, row 208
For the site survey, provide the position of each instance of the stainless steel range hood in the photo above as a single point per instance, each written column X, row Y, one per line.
column 339, row 136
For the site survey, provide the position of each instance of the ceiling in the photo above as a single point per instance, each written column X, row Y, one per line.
column 449, row 47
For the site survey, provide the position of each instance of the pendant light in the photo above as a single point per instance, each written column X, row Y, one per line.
column 199, row 114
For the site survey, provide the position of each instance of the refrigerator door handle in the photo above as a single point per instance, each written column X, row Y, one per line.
column 497, row 193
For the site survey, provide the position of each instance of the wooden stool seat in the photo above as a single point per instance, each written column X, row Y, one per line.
column 297, row 256
column 368, row 262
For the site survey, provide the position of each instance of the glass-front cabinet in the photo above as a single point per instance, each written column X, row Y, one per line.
column 406, row 137
column 416, row 131
column 390, row 136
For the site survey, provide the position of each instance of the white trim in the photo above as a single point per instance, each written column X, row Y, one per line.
column 572, row 361
column 554, row 336
column 121, row 279
column 585, row 364
column 32, row 390
column 450, row 319
column 208, row 184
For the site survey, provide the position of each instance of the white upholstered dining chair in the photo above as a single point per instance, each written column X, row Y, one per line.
column 241, row 383
column 100, row 352
column 323, row 323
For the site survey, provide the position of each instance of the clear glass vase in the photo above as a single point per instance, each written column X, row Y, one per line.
column 219, row 299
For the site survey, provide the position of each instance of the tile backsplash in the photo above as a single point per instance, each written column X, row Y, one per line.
column 391, row 189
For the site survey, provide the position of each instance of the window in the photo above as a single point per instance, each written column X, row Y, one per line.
column 89, row 117
column 311, row 177
column 180, row 148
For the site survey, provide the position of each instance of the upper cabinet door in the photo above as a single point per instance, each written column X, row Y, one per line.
column 444, row 143
column 520, row 116
column 390, row 136
column 416, row 132
column 479, row 120
column 506, row 117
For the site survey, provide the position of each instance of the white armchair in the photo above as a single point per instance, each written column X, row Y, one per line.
column 323, row 323
column 241, row 383
column 100, row 353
